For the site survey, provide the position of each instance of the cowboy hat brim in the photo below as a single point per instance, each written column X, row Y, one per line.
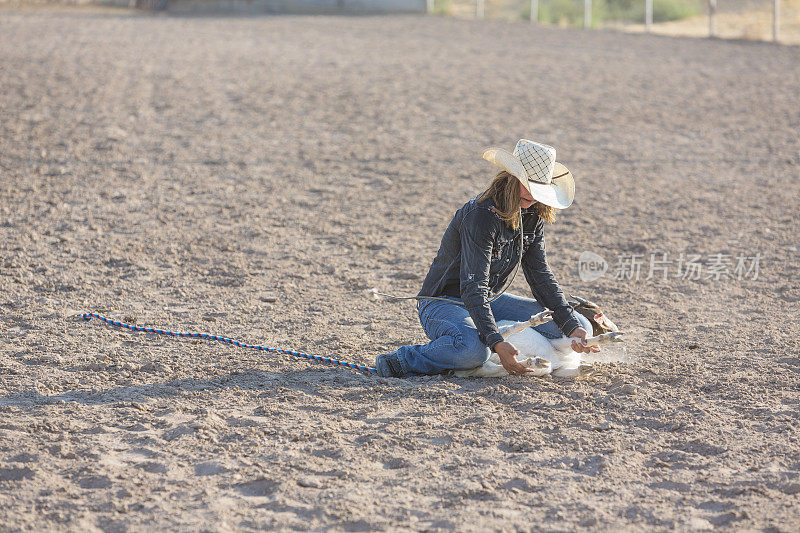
column 559, row 193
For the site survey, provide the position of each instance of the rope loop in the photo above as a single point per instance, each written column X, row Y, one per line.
column 87, row 317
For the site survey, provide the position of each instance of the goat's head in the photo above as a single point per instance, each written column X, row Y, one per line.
column 600, row 322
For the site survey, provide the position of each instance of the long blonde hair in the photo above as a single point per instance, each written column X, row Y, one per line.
column 504, row 189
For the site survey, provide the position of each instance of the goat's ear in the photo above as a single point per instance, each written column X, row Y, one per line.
column 602, row 322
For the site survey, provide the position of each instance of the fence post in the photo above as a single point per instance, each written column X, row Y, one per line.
column 712, row 23
column 587, row 13
column 479, row 8
column 648, row 15
column 534, row 11
column 776, row 17
column 430, row 6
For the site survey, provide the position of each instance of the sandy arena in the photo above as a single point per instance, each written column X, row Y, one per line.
column 255, row 177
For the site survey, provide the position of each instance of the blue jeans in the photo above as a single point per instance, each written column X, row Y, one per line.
column 454, row 340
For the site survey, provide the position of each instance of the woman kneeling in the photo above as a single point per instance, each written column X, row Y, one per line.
column 489, row 238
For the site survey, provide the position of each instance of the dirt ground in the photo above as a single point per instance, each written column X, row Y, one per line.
column 254, row 177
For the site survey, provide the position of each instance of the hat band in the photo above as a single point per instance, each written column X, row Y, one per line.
column 551, row 179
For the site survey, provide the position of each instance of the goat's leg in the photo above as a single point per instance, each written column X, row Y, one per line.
column 565, row 343
column 489, row 369
column 605, row 338
column 581, row 369
column 535, row 320
column 540, row 366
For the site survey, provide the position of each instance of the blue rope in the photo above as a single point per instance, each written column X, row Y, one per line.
column 111, row 322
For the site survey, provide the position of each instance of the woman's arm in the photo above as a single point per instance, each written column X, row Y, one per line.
column 544, row 285
column 478, row 229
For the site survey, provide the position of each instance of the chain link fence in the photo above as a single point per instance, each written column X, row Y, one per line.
column 769, row 20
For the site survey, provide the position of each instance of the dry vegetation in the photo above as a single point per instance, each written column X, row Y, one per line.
column 736, row 19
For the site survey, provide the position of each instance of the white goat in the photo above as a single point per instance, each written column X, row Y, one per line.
column 545, row 355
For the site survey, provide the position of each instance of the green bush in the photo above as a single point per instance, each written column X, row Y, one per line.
column 570, row 12
column 525, row 11
column 442, row 7
column 666, row 10
column 564, row 12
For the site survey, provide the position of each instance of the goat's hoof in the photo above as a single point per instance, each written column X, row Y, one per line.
column 614, row 336
column 541, row 362
column 541, row 318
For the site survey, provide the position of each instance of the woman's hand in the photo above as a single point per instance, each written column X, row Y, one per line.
column 507, row 353
column 580, row 334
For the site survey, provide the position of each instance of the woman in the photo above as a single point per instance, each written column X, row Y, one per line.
column 463, row 293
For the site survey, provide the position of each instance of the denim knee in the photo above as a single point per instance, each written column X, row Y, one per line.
column 471, row 352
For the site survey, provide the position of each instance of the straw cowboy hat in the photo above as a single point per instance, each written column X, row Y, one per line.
column 535, row 165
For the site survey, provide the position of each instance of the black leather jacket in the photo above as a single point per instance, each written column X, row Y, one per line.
column 478, row 253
